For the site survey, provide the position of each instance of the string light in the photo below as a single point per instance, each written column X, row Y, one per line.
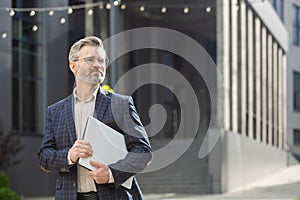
column 3, row 35
column 32, row 13
column 35, row 28
column 163, row 10
column 12, row 12
column 100, row 3
column 62, row 20
column 186, row 10
column 123, row 7
column 142, row 8
column 208, row 9
column 108, row 6
column 101, row 6
column 70, row 11
column 51, row 13
column 90, row 12
column 116, row 3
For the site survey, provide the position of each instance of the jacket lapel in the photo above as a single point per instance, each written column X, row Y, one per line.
column 101, row 105
column 69, row 116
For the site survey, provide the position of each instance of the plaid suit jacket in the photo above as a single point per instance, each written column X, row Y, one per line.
column 115, row 110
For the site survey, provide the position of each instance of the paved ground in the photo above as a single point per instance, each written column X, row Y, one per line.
column 283, row 185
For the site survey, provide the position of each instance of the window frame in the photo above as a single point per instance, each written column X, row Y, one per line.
column 296, row 137
column 296, row 91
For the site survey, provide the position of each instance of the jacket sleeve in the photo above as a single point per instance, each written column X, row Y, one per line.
column 139, row 150
column 51, row 158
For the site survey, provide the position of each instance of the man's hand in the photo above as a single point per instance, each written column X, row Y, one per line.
column 101, row 174
column 80, row 149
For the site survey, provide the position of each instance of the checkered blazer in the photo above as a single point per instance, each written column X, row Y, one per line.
column 60, row 135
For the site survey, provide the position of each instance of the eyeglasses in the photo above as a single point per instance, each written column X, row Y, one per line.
column 92, row 60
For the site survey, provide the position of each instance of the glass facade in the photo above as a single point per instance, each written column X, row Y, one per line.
column 27, row 71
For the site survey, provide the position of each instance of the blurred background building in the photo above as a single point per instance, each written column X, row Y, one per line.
column 255, row 44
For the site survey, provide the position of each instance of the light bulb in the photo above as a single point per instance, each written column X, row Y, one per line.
column 101, row 6
column 3, row 35
column 70, row 11
column 62, row 20
column 90, row 12
column 186, row 10
column 116, row 3
column 163, row 10
column 35, row 28
column 32, row 13
column 123, row 7
column 108, row 6
column 11, row 12
column 142, row 8
column 51, row 13
column 208, row 9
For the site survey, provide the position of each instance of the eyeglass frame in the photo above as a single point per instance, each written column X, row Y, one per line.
column 103, row 63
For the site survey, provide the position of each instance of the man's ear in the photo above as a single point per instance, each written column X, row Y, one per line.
column 73, row 68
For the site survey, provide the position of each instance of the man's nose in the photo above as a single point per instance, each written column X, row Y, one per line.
column 99, row 64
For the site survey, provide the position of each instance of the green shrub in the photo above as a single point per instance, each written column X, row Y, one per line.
column 8, row 194
column 3, row 180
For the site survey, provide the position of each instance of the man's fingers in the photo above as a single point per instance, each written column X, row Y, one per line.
column 96, row 164
column 82, row 144
column 80, row 149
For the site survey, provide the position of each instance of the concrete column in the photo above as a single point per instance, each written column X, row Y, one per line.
column 275, row 93
column 226, row 62
column 284, row 102
column 258, row 77
column 250, row 73
column 234, row 66
column 264, row 84
column 270, row 89
column 243, row 66
column 280, row 98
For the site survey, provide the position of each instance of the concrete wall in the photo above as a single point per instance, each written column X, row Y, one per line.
column 236, row 161
column 293, row 60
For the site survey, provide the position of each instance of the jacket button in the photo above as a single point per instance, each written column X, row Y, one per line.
column 74, row 184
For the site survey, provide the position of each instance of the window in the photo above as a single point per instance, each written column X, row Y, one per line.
column 296, row 25
column 27, row 73
column 297, row 137
column 278, row 6
column 297, row 91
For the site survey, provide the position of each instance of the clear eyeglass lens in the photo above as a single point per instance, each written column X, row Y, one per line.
column 91, row 60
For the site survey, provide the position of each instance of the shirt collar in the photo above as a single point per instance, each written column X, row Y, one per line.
column 78, row 99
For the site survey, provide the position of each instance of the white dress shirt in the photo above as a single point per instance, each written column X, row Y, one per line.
column 83, row 108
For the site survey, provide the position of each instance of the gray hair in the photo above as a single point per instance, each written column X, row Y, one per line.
column 87, row 41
